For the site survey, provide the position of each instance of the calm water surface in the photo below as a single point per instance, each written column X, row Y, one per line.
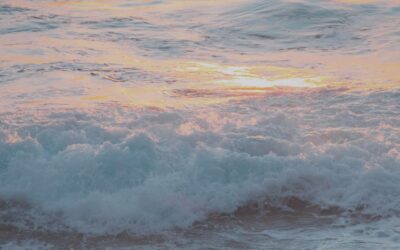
column 235, row 124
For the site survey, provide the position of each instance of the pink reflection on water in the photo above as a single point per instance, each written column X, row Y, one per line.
column 174, row 82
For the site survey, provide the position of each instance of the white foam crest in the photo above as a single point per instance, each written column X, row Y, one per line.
column 147, row 174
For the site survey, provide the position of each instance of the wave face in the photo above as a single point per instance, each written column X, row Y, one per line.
column 255, row 124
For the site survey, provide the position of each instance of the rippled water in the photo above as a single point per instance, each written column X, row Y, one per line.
column 199, row 124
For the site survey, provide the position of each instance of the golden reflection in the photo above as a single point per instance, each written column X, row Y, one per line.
column 244, row 76
column 198, row 80
column 196, row 83
column 252, row 82
column 192, row 82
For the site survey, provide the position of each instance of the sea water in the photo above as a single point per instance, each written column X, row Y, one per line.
column 168, row 124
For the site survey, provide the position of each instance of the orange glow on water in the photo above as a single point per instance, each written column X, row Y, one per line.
column 182, row 81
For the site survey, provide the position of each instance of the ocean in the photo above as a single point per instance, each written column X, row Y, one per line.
column 182, row 124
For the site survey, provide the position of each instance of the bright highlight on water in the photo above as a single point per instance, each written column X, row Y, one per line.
column 171, row 124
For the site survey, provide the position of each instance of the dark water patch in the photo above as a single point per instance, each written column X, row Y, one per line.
column 113, row 73
column 33, row 23
column 291, row 24
column 10, row 10
column 115, row 23
column 38, row 27
column 281, row 26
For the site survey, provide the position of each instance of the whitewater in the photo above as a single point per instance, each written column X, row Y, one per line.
column 199, row 124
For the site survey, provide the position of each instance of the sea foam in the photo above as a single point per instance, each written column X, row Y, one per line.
column 121, row 169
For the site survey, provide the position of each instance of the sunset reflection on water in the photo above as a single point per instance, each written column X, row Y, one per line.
column 167, row 82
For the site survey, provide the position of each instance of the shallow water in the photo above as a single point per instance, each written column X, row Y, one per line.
column 199, row 124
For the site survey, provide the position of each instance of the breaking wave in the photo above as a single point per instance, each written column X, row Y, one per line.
column 112, row 170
